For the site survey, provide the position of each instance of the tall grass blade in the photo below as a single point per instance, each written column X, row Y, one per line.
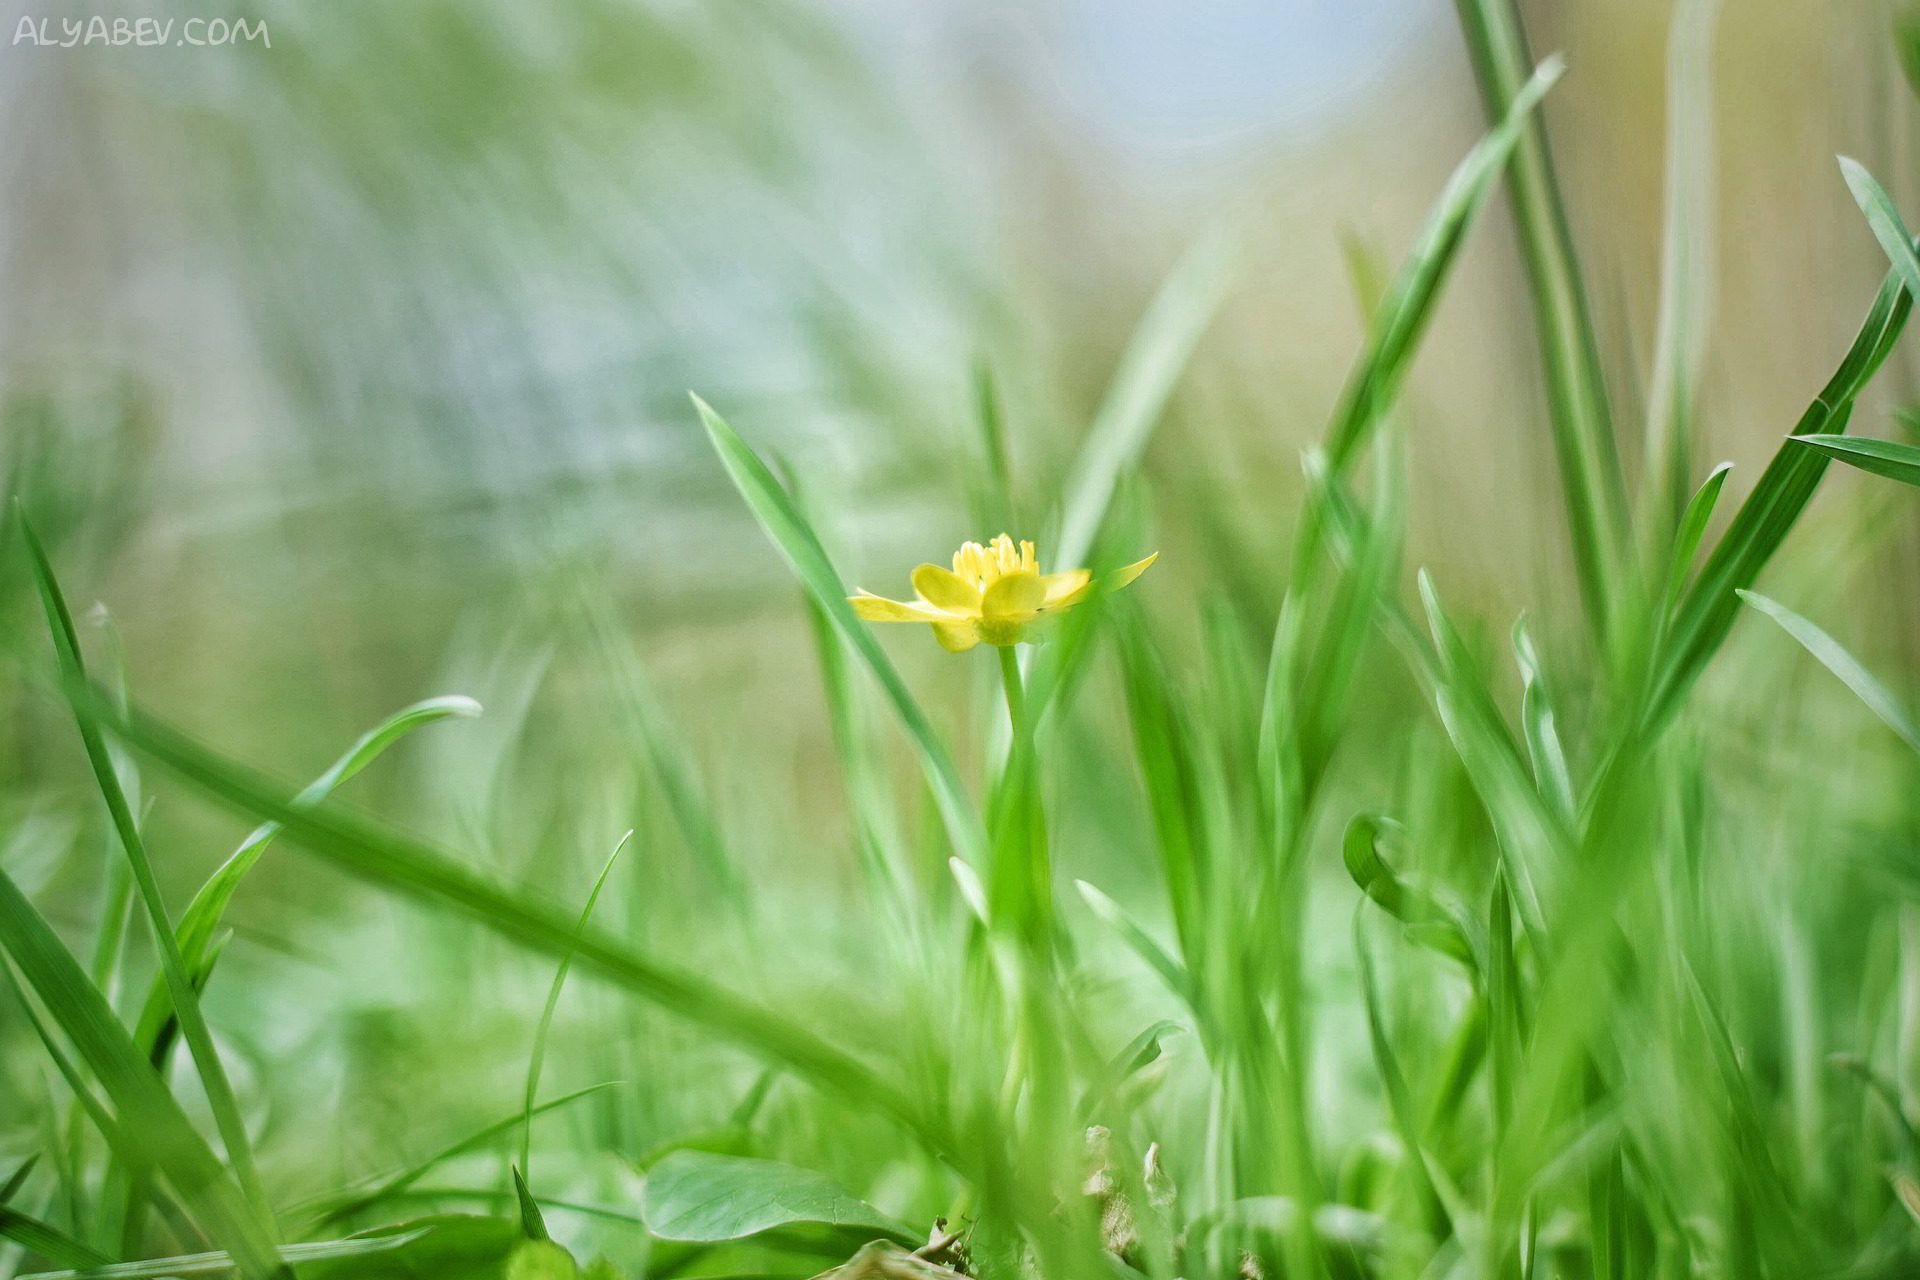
column 797, row 543
column 180, row 987
column 1835, row 658
column 1889, row 458
column 1583, row 434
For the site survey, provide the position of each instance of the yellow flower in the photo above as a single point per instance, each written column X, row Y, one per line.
column 994, row 594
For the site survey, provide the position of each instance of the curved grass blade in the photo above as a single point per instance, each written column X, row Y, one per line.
column 1889, row 458
column 1708, row 609
column 1402, row 315
column 797, row 543
column 147, row 1120
column 1884, row 221
column 546, row 1015
column 199, row 1264
column 201, row 920
column 1692, row 528
column 179, row 981
column 1115, row 917
column 346, row 1206
column 1156, row 356
column 386, row 858
column 1835, row 658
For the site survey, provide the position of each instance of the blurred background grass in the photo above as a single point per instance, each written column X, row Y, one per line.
column 353, row 370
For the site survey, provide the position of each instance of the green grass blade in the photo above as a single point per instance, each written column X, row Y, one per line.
column 546, row 1015
column 1885, row 222
column 1889, row 458
column 201, row 920
column 48, row 1240
column 1402, row 315
column 180, row 988
column 198, row 1264
column 1692, row 528
column 1835, row 658
column 343, row 1207
column 1139, row 941
column 1155, row 358
column 1707, row 611
column 797, row 543
column 1400, row 1104
column 148, row 1119
column 1583, row 435
column 377, row 854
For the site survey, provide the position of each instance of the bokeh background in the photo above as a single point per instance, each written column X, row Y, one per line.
column 354, row 369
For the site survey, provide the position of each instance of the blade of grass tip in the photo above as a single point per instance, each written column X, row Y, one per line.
column 1399, row 1097
column 1591, row 475
column 18, row 1178
column 546, row 1015
column 340, row 1208
column 1155, row 358
column 1889, row 458
column 401, row 863
column 1706, row 614
column 1834, row 657
column 201, row 920
column 1539, row 725
column 797, row 543
column 149, row 1122
column 1003, row 508
column 1686, row 260
column 1884, row 220
column 532, row 1225
column 1402, row 315
column 213, row 1076
column 1140, row 942
column 1692, row 528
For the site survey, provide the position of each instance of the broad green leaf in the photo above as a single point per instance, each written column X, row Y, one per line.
column 698, row 1197
column 1835, row 658
column 200, row 1264
column 1889, row 458
column 797, row 543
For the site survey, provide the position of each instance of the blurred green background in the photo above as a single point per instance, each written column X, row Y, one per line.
column 353, row 370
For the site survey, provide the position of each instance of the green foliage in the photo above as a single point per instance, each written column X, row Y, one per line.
column 703, row 1198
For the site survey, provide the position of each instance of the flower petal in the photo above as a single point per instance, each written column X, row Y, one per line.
column 1121, row 577
column 945, row 589
column 1064, row 589
column 956, row 637
column 1013, row 595
column 871, row 608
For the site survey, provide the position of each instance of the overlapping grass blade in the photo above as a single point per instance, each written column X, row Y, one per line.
column 48, row 1240
column 1885, row 222
column 1835, row 658
column 147, row 1120
column 375, row 853
column 179, row 979
column 797, row 543
column 201, row 919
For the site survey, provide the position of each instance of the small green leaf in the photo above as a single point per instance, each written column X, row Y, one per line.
column 1895, row 240
column 541, row 1260
column 701, row 1198
column 1835, row 658
column 531, row 1222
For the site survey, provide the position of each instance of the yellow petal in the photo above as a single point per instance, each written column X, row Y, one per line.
column 945, row 589
column 1121, row 577
column 1013, row 595
column 871, row 608
column 956, row 637
column 1064, row 589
